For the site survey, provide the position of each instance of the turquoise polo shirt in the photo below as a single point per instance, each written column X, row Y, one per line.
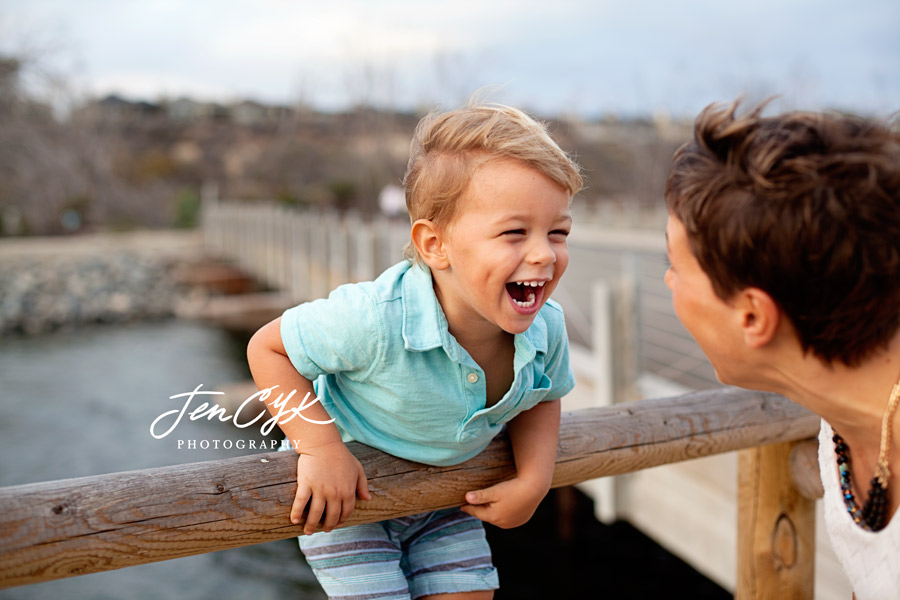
column 389, row 372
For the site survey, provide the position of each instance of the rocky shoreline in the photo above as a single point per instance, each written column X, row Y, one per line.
column 52, row 283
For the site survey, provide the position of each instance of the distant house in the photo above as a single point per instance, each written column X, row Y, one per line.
column 250, row 112
column 187, row 110
column 116, row 107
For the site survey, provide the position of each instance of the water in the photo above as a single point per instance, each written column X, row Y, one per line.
column 81, row 403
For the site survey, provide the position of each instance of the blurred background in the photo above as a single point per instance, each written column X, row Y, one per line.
column 114, row 113
column 115, row 116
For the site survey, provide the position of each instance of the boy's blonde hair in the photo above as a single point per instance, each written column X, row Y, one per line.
column 447, row 149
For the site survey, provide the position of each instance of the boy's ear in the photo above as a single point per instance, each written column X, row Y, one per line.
column 760, row 317
column 427, row 238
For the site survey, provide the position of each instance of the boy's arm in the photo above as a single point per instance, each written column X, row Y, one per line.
column 329, row 477
column 534, row 435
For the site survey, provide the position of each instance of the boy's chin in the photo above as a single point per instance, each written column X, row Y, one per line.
column 520, row 326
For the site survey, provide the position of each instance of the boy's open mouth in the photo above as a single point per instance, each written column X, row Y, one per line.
column 525, row 293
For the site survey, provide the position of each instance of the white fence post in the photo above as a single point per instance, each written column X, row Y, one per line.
column 604, row 490
column 615, row 370
column 211, row 218
column 337, row 252
column 284, row 248
column 364, row 238
column 270, row 242
column 300, row 286
column 318, row 256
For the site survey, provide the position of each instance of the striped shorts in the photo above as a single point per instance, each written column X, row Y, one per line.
column 436, row 552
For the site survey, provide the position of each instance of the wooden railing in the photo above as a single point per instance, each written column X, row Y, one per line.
column 60, row 529
column 71, row 527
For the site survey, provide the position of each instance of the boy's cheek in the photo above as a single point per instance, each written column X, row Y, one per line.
column 562, row 264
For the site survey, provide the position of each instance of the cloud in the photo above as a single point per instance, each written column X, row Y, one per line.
column 595, row 56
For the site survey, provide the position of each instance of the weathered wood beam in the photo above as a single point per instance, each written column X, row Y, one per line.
column 71, row 527
column 776, row 527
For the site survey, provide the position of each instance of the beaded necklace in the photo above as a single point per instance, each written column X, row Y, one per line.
column 872, row 515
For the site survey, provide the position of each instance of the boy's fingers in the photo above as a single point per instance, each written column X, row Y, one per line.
column 362, row 486
column 316, row 507
column 479, row 512
column 346, row 511
column 481, row 496
column 332, row 515
column 300, row 500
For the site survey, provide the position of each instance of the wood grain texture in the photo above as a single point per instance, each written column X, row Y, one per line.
column 776, row 528
column 71, row 527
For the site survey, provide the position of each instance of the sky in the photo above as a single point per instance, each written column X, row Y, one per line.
column 578, row 57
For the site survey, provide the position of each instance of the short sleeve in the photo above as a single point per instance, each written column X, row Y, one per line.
column 556, row 363
column 339, row 334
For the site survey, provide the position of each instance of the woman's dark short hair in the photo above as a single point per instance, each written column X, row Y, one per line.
column 805, row 206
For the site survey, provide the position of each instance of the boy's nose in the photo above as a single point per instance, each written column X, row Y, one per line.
column 541, row 253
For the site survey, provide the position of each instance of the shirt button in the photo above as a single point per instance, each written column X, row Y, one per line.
column 473, row 377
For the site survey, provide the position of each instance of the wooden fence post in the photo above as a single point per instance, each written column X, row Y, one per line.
column 776, row 527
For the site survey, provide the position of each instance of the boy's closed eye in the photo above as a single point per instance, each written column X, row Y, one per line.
column 556, row 232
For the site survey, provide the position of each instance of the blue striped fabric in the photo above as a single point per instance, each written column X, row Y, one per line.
column 432, row 553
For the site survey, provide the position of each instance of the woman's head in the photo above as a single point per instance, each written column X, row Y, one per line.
column 805, row 206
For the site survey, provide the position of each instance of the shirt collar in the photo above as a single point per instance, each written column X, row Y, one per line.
column 425, row 326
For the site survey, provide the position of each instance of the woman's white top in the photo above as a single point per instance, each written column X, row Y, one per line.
column 870, row 559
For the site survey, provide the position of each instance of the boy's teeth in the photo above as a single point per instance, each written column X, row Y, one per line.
column 531, row 283
column 526, row 303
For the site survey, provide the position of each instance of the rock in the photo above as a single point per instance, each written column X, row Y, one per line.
column 48, row 291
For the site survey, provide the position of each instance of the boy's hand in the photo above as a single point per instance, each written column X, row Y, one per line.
column 329, row 477
column 507, row 504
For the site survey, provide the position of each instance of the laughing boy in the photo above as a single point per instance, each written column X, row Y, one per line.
column 435, row 357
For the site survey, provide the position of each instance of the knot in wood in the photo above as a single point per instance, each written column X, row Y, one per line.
column 62, row 507
column 220, row 488
column 784, row 543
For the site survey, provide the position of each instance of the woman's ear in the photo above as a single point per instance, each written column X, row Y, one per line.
column 760, row 317
column 428, row 240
